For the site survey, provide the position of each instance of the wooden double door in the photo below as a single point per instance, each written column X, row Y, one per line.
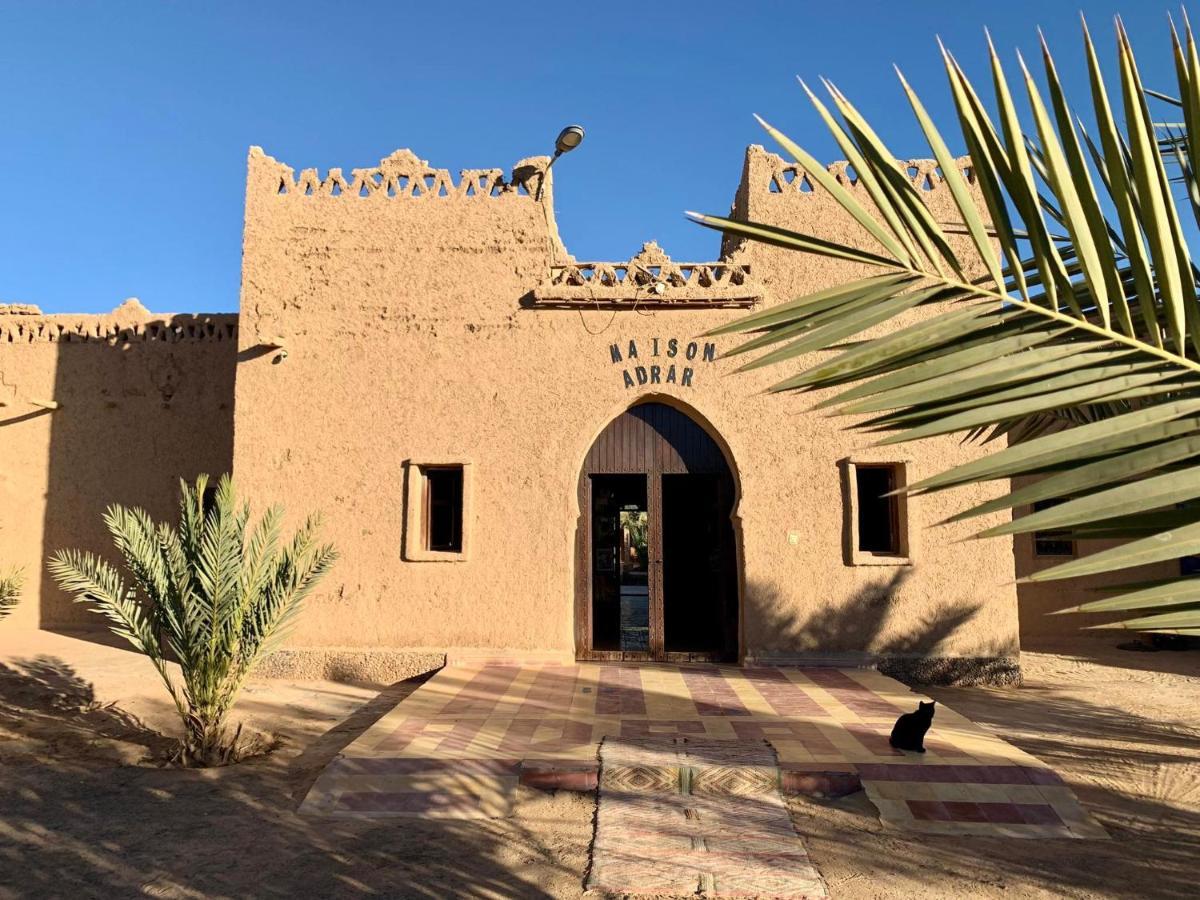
column 656, row 558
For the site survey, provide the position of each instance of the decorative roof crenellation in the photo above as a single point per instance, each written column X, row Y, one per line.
column 649, row 278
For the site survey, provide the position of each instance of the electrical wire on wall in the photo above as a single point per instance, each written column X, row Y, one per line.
column 636, row 300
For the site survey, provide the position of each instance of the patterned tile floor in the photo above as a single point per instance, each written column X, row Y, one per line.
column 691, row 816
column 459, row 744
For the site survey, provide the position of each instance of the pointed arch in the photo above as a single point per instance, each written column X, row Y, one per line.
column 660, row 460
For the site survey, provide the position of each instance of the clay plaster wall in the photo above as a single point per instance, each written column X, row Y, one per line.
column 142, row 400
column 413, row 329
column 1039, row 601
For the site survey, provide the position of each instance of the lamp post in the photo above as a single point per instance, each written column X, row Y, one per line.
column 568, row 139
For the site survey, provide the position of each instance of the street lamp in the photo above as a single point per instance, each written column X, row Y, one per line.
column 568, row 139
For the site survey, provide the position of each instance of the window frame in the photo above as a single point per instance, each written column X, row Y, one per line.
column 1051, row 534
column 427, row 501
column 853, row 556
column 419, row 508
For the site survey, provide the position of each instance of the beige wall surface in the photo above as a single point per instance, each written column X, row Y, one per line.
column 142, row 401
column 1040, row 600
column 402, row 315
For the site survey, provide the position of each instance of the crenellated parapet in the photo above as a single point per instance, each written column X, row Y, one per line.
column 779, row 192
column 772, row 173
column 650, row 278
column 402, row 175
column 127, row 324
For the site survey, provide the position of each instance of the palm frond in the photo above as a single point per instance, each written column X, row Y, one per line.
column 10, row 592
column 1083, row 355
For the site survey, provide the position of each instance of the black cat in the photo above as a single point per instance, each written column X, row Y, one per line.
column 909, row 731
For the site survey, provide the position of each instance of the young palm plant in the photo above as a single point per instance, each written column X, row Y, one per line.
column 210, row 595
column 1081, row 349
column 10, row 592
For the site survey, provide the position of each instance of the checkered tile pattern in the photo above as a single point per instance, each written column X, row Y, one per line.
column 680, row 816
column 460, row 744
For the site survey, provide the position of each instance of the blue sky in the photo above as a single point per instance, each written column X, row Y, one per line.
column 126, row 124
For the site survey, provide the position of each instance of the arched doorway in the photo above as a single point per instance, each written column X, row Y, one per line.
column 656, row 570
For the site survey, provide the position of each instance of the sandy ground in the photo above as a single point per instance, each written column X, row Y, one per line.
column 85, row 813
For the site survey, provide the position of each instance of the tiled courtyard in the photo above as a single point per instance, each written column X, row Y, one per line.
column 460, row 744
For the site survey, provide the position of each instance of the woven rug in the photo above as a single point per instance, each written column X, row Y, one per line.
column 680, row 817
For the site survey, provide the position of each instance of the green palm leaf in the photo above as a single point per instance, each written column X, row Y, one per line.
column 10, row 592
column 1082, row 353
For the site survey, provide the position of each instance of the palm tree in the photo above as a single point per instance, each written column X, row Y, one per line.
column 208, row 594
column 1082, row 349
column 10, row 592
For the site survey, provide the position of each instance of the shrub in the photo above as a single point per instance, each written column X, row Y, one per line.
column 10, row 591
column 209, row 595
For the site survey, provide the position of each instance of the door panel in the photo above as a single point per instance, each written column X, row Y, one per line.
column 698, row 588
column 656, row 576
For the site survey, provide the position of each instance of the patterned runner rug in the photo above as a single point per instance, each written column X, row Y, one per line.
column 680, row 817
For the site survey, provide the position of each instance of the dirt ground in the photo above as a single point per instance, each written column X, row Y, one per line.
column 85, row 813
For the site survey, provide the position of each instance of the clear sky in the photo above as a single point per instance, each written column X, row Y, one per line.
column 125, row 125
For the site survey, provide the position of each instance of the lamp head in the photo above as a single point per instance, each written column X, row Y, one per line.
column 568, row 139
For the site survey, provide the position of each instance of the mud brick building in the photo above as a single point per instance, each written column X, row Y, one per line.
column 518, row 453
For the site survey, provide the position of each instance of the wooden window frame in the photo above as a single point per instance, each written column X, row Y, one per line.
column 416, row 530
column 427, row 508
column 1051, row 534
column 852, row 555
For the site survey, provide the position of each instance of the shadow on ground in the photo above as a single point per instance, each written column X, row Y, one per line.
column 1138, row 774
column 81, row 825
column 82, row 815
column 45, row 700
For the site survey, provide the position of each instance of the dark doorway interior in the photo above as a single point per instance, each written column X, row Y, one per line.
column 699, row 579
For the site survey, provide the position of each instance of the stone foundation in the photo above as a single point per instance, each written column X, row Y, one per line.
column 953, row 671
column 357, row 665
column 389, row 665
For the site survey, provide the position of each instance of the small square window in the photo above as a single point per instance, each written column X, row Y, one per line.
column 1055, row 541
column 878, row 513
column 208, row 500
column 876, row 518
column 437, row 516
column 443, row 508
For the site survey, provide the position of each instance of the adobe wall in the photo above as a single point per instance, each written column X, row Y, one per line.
column 397, row 316
column 1040, row 627
column 96, row 410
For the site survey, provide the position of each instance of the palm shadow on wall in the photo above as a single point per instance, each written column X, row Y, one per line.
column 860, row 623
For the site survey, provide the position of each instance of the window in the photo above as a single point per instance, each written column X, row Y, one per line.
column 876, row 523
column 437, row 515
column 878, row 514
column 208, row 500
column 443, row 508
column 1053, row 542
